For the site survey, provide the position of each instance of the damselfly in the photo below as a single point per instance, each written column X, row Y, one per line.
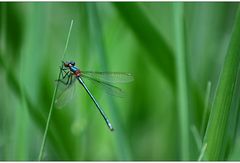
column 69, row 74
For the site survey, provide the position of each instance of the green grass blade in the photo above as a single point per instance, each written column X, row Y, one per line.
column 206, row 109
column 232, row 131
column 68, row 38
column 202, row 152
column 150, row 38
column 222, row 105
column 53, row 99
column 196, row 136
column 182, row 96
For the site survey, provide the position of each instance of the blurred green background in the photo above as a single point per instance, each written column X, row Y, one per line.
column 154, row 121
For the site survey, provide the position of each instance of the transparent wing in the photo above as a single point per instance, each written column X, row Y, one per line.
column 108, row 87
column 109, row 77
column 65, row 92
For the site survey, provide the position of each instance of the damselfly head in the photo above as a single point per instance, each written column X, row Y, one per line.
column 69, row 64
column 72, row 63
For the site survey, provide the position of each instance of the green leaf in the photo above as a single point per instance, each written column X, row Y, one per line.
column 150, row 38
column 219, row 121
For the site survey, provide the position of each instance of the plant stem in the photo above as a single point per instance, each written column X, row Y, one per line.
column 53, row 99
column 182, row 98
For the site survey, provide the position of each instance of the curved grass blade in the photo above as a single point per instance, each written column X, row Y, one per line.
column 149, row 37
column 223, row 103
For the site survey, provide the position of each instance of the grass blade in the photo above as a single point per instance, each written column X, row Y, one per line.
column 222, row 104
column 202, row 152
column 53, row 99
column 196, row 136
column 182, row 96
column 206, row 109
column 149, row 37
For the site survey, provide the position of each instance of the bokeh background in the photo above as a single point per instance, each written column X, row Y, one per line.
column 140, row 38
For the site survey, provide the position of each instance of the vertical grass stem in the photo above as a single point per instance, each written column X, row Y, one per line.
column 182, row 97
column 53, row 99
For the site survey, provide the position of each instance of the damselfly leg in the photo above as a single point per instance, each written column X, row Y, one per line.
column 67, row 74
column 66, row 89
